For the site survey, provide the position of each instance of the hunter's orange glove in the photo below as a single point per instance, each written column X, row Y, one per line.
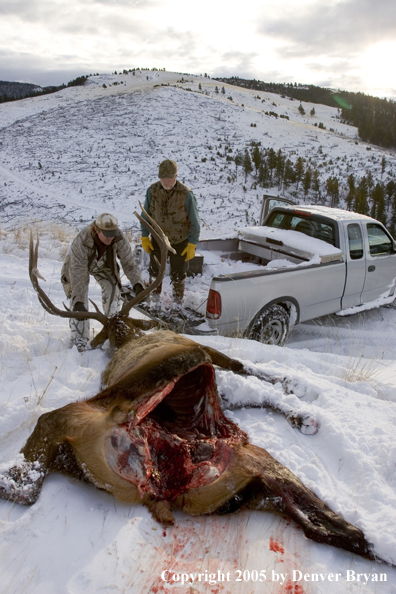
column 189, row 251
column 147, row 245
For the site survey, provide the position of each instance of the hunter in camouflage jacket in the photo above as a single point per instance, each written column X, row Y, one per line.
column 81, row 261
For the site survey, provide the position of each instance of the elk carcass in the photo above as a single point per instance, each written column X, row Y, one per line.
column 156, row 434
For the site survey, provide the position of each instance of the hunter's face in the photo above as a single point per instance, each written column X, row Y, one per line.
column 103, row 238
column 168, row 182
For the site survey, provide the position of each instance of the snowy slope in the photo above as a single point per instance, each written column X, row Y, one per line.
column 83, row 150
column 76, row 539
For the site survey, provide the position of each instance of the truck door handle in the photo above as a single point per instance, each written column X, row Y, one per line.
column 371, row 268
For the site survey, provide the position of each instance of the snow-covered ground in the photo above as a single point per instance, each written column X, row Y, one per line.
column 77, row 539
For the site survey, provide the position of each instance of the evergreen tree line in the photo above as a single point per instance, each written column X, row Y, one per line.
column 309, row 93
column 374, row 118
column 363, row 195
column 79, row 81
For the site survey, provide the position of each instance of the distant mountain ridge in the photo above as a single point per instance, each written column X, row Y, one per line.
column 17, row 90
column 12, row 91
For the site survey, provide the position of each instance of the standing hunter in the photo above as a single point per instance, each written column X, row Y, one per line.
column 174, row 207
column 94, row 252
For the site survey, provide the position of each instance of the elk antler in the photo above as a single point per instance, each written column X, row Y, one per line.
column 45, row 300
column 47, row 304
column 164, row 246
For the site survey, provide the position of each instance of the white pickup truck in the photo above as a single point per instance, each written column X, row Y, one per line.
column 314, row 261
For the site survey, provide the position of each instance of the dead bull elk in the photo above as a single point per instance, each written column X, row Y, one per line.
column 156, row 434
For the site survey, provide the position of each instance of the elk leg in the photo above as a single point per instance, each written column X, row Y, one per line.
column 318, row 521
column 278, row 488
column 304, row 422
column 22, row 483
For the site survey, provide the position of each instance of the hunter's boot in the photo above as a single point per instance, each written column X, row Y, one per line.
column 178, row 293
column 155, row 296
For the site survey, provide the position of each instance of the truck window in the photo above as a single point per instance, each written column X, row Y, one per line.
column 379, row 242
column 355, row 241
column 307, row 225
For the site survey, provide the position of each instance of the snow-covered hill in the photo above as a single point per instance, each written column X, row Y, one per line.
column 83, row 150
column 76, row 539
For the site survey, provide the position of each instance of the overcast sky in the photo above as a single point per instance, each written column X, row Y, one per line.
column 345, row 44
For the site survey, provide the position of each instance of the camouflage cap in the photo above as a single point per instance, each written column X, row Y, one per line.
column 167, row 168
column 108, row 224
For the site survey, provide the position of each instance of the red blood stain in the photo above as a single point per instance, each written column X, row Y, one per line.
column 291, row 588
column 275, row 546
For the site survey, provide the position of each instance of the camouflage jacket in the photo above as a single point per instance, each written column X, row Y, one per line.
column 82, row 257
column 174, row 210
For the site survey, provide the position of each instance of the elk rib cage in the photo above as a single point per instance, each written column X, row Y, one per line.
column 173, row 443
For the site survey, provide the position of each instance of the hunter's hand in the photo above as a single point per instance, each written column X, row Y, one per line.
column 147, row 245
column 189, row 251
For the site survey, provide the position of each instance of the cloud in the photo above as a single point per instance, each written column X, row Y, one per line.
column 27, row 10
column 78, row 16
column 332, row 29
column 233, row 63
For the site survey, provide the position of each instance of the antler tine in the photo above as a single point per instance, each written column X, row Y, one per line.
column 154, row 229
column 45, row 300
column 164, row 246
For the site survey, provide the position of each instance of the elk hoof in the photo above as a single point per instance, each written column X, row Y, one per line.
column 307, row 424
column 21, row 486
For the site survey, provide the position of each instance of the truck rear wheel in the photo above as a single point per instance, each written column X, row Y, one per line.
column 271, row 326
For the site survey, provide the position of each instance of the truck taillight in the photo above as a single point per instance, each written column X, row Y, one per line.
column 213, row 307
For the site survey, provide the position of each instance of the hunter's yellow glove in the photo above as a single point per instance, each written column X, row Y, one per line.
column 189, row 251
column 147, row 245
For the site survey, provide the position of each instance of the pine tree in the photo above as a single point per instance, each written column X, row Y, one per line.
column 247, row 164
column 383, row 165
column 378, row 204
column 299, row 169
column 352, row 191
column 238, row 161
column 307, row 181
column 332, row 189
column 280, row 168
column 390, row 190
column 361, row 197
column 256, row 157
column 264, row 174
column 272, row 162
column 316, row 184
column 289, row 175
column 370, row 182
